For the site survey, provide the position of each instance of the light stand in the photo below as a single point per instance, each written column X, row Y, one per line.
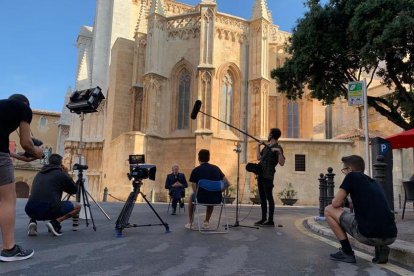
column 81, row 184
column 81, row 102
column 237, row 224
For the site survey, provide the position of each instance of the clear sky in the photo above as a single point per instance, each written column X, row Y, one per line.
column 38, row 53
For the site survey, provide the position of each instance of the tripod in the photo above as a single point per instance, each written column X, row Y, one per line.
column 123, row 219
column 237, row 224
column 80, row 182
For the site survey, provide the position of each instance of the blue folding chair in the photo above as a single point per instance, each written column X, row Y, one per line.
column 210, row 193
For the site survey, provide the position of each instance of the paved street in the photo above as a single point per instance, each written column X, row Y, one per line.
column 286, row 250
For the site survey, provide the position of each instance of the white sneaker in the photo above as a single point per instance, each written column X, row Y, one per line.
column 206, row 225
column 32, row 229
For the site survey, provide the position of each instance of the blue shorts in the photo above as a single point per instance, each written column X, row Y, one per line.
column 42, row 211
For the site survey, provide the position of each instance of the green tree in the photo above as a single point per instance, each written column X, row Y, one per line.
column 347, row 40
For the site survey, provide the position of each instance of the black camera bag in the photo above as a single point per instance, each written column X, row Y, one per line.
column 254, row 168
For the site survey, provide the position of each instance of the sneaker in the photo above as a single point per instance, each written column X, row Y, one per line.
column 54, row 227
column 268, row 223
column 173, row 212
column 189, row 226
column 343, row 257
column 260, row 222
column 381, row 254
column 206, row 225
column 17, row 253
column 32, row 228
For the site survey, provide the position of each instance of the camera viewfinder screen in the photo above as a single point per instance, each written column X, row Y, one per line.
column 137, row 159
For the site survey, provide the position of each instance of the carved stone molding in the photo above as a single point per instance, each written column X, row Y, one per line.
column 184, row 28
column 64, row 130
column 184, row 34
column 233, row 23
column 142, row 42
column 205, row 76
column 208, row 15
column 153, row 82
column 157, row 22
column 277, row 36
column 175, row 8
column 234, row 36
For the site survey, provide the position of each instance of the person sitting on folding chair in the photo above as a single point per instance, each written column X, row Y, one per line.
column 204, row 171
column 176, row 184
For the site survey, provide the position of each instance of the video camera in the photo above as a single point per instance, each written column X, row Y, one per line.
column 79, row 167
column 37, row 143
column 138, row 170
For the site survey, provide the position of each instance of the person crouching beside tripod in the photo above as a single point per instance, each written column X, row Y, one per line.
column 45, row 198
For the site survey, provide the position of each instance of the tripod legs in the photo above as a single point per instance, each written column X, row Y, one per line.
column 123, row 219
column 86, row 205
column 99, row 206
column 85, row 195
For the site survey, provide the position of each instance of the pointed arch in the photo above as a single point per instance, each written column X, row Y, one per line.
column 230, row 99
column 182, row 87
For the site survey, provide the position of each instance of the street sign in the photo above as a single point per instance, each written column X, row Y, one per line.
column 355, row 93
column 384, row 148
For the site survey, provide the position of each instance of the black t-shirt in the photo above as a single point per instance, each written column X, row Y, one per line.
column 209, row 172
column 269, row 160
column 374, row 216
column 12, row 112
column 206, row 171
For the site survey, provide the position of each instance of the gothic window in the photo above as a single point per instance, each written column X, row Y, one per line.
column 226, row 100
column 184, row 82
column 293, row 120
column 42, row 122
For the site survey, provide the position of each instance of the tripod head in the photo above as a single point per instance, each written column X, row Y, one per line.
column 238, row 148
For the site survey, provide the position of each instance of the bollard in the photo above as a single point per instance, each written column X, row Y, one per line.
column 330, row 184
column 322, row 195
column 105, row 194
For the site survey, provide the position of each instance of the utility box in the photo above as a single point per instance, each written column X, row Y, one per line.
column 382, row 147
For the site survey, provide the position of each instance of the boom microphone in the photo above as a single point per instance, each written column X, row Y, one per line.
column 196, row 109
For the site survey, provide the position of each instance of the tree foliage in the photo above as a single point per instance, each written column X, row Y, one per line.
column 347, row 40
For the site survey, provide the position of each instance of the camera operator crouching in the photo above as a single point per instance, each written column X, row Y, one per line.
column 45, row 198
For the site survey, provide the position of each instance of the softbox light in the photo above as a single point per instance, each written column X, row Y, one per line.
column 85, row 101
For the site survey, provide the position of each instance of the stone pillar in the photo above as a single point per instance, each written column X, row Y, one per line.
column 258, row 122
column 208, row 11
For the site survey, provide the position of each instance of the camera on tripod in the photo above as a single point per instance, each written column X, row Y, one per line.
column 138, row 170
column 79, row 167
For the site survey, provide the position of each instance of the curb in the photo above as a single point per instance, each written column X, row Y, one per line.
column 401, row 251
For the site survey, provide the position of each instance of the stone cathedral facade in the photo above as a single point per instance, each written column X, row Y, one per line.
column 153, row 59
